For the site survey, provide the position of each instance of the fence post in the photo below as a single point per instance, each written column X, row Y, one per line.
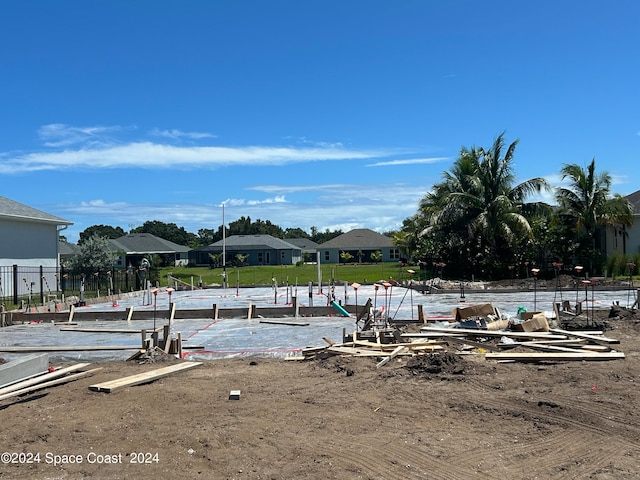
column 15, row 284
column 41, row 285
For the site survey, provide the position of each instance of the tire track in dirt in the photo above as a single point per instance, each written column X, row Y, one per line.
column 564, row 448
column 531, row 407
column 398, row 462
column 591, row 445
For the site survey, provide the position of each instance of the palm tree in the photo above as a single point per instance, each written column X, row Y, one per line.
column 587, row 200
column 478, row 197
column 406, row 243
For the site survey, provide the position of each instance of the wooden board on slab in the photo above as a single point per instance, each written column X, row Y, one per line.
column 140, row 378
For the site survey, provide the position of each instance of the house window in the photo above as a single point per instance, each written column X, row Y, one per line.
column 282, row 254
column 326, row 256
column 394, row 254
column 260, row 258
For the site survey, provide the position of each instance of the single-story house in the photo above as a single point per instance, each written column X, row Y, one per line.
column 67, row 251
column 362, row 244
column 136, row 246
column 251, row 250
column 309, row 248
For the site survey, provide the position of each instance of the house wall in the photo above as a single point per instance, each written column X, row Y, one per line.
column 28, row 243
column 332, row 255
column 615, row 241
column 633, row 237
column 264, row 256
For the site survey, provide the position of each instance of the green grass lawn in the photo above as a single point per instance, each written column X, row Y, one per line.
column 291, row 274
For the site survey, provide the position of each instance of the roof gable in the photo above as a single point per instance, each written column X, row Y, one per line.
column 145, row 243
column 253, row 242
column 358, row 238
column 634, row 200
column 305, row 244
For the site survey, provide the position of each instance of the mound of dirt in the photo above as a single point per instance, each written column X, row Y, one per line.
column 438, row 363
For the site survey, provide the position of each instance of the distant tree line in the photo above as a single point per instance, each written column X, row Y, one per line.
column 205, row 236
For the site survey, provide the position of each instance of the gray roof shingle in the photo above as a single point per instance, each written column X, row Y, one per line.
column 18, row 211
column 140, row 243
column 253, row 242
column 634, row 199
column 358, row 238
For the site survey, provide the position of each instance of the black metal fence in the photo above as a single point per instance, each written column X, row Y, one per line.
column 37, row 285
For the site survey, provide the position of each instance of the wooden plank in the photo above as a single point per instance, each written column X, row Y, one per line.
column 396, row 351
column 172, row 315
column 136, row 355
column 129, row 313
column 145, row 377
column 559, row 356
column 42, row 378
column 431, row 335
column 466, row 341
column 596, row 348
column 67, row 348
column 358, row 352
column 100, row 330
column 593, row 338
column 313, row 350
column 59, row 381
column 492, row 333
column 167, row 343
column 286, row 322
column 551, row 348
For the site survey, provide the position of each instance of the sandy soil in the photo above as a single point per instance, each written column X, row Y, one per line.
column 445, row 417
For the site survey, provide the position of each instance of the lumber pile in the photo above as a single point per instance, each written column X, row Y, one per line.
column 356, row 345
column 478, row 330
column 554, row 345
column 45, row 380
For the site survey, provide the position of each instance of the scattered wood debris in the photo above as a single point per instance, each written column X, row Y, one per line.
column 54, row 377
column 530, row 339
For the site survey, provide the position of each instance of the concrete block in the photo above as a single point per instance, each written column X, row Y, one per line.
column 24, row 368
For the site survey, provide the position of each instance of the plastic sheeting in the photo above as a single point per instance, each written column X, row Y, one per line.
column 227, row 338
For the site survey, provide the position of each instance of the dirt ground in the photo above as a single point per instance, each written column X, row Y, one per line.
column 445, row 417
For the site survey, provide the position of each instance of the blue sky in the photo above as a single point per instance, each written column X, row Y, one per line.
column 333, row 114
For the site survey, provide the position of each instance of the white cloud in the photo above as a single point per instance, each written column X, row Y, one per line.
column 321, row 144
column 177, row 134
column 238, row 202
column 62, row 135
column 409, row 161
column 299, row 188
column 153, row 156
